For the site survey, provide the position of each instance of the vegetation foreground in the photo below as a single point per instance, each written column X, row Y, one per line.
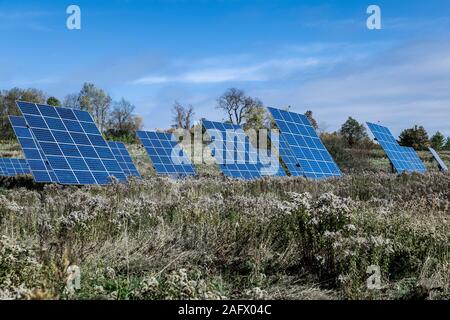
column 212, row 238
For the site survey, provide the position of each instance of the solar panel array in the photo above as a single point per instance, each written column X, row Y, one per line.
column 65, row 146
column 10, row 167
column 314, row 159
column 439, row 160
column 123, row 158
column 39, row 166
column 72, row 145
column 166, row 154
column 236, row 156
column 404, row 159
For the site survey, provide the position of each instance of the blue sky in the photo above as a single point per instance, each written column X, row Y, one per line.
column 315, row 55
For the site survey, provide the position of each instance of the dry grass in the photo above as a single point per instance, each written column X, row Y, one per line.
column 213, row 238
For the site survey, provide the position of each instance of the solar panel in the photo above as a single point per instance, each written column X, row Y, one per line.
column 72, row 145
column 166, row 154
column 301, row 138
column 415, row 163
column 404, row 159
column 441, row 163
column 11, row 167
column 236, row 156
column 123, row 158
column 39, row 166
column 287, row 156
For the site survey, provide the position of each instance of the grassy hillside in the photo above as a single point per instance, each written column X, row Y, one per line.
column 212, row 238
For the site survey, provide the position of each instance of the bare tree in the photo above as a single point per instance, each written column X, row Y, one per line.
column 138, row 123
column 237, row 105
column 72, row 101
column 121, row 117
column 189, row 114
column 182, row 116
column 97, row 102
column 309, row 115
column 178, row 112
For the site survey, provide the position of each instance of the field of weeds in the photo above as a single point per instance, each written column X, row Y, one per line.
column 213, row 238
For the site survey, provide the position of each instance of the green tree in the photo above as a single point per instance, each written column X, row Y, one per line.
column 353, row 132
column 416, row 137
column 52, row 101
column 256, row 117
column 447, row 144
column 8, row 106
column 437, row 141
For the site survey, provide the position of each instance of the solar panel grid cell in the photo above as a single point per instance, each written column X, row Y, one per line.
column 236, row 156
column 270, row 159
column 414, row 164
column 123, row 158
column 37, row 161
column 313, row 159
column 77, row 156
column 166, row 154
column 11, row 167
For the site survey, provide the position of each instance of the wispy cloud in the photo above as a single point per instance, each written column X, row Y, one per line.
column 262, row 71
column 401, row 87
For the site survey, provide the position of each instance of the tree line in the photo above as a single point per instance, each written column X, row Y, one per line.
column 117, row 120
column 251, row 113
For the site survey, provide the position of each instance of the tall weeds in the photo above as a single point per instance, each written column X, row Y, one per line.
column 211, row 238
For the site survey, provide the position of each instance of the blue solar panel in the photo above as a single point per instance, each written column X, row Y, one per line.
column 72, row 145
column 441, row 163
column 415, row 164
column 402, row 158
column 287, row 156
column 39, row 166
column 11, row 167
column 301, row 138
column 123, row 158
column 236, row 156
column 166, row 154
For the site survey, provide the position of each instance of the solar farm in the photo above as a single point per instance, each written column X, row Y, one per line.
column 146, row 220
column 65, row 146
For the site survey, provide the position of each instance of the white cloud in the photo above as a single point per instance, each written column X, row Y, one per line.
column 262, row 71
column 402, row 87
